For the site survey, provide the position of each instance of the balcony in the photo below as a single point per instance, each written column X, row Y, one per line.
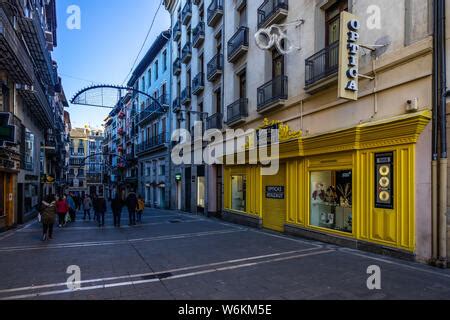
column 154, row 109
column 238, row 45
column 198, row 35
column 177, row 67
column 186, row 14
column 322, row 68
column 38, row 101
column 215, row 12
column 215, row 122
column 186, row 96
column 177, row 31
column 34, row 36
column 198, row 84
column 215, row 67
column 50, row 144
column 186, row 54
column 153, row 144
column 176, row 105
column 273, row 94
column 237, row 112
column 15, row 59
column 272, row 11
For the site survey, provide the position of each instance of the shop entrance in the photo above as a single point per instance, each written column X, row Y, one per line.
column 274, row 200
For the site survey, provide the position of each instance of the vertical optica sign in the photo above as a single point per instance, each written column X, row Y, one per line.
column 349, row 57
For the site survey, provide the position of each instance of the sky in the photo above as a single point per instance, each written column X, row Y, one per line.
column 103, row 50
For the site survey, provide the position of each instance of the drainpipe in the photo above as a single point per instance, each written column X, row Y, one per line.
column 435, row 139
column 443, row 163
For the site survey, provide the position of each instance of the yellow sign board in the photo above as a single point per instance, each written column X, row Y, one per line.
column 349, row 57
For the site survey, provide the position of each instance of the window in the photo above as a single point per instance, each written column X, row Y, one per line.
column 29, row 150
column 238, row 192
column 143, row 84
column 331, row 200
column 243, row 17
column 201, row 192
column 149, row 77
column 332, row 18
column 162, row 170
column 165, row 60
column 243, row 84
column 156, row 70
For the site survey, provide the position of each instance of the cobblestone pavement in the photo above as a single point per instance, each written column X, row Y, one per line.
column 172, row 255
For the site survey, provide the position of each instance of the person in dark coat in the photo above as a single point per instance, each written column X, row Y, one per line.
column 100, row 210
column 116, row 206
column 48, row 217
column 132, row 203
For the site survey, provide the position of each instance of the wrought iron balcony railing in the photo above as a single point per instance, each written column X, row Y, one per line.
column 176, row 105
column 198, row 84
column 272, row 11
column 322, row 65
column 186, row 96
column 215, row 12
column 198, row 35
column 237, row 111
column 186, row 53
column 186, row 14
column 154, row 109
column 153, row 143
column 177, row 67
column 215, row 122
column 273, row 93
column 177, row 31
column 238, row 44
column 215, row 67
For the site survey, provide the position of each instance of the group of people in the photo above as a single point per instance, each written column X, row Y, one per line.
column 65, row 208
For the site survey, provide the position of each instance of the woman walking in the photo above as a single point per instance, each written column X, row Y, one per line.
column 62, row 208
column 48, row 217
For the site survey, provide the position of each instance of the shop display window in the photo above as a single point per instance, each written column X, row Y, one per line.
column 238, row 192
column 331, row 200
column 201, row 192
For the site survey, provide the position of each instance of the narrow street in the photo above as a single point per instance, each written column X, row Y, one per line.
column 175, row 256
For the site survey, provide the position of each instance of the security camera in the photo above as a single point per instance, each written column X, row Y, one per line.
column 412, row 105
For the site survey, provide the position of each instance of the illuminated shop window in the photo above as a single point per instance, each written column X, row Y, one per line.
column 238, row 192
column 201, row 192
column 331, row 200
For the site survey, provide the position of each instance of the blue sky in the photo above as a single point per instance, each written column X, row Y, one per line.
column 104, row 49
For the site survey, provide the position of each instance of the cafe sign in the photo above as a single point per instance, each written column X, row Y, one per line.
column 349, row 57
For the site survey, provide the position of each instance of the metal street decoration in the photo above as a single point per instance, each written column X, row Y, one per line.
column 108, row 96
column 276, row 35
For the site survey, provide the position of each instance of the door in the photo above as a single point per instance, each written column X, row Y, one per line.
column 274, row 200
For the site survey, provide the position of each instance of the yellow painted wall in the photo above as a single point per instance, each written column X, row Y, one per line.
column 354, row 149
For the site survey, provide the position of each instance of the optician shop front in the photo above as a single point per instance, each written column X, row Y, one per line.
column 355, row 187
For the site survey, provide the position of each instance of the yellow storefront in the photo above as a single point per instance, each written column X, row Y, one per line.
column 356, row 184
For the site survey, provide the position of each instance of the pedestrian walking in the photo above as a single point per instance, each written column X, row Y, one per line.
column 62, row 208
column 132, row 203
column 87, row 206
column 48, row 217
column 100, row 210
column 116, row 206
column 72, row 207
column 140, row 209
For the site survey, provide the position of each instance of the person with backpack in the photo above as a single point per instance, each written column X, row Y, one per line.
column 87, row 206
column 48, row 217
column 62, row 208
column 72, row 207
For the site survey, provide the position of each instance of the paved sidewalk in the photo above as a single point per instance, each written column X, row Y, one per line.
column 172, row 255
